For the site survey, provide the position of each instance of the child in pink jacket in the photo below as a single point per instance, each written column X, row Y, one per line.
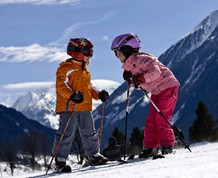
column 145, row 71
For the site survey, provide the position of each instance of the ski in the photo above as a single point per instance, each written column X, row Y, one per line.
column 132, row 158
column 160, row 156
column 108, row 163
column 129, row 160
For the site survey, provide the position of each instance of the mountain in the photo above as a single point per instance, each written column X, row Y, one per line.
column 15, row 126
column 194, row 61
column 39, row 105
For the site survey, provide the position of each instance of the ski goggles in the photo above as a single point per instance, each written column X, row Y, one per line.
column 87, row 51
column 116, row 52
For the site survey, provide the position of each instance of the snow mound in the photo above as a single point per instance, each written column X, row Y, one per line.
column 200, row 163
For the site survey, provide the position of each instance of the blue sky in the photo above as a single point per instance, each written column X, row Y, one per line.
column 34, row 34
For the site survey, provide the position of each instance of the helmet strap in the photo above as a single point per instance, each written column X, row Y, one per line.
column 76, row 59
column 69, row 60
column 83, row 65
column 128, row 51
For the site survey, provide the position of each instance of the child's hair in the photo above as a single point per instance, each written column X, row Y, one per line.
column 141, row 53
column 128, row 51
column 83, row 63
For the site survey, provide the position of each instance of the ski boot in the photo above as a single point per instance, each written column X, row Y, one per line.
column 147, row 152
column 166, row 149
column 97, row 159
column 61, row 166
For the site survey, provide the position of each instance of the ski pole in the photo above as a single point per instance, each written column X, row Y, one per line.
column 61, row 138
column 158, row 110
column 101, row 124
column 126, row 124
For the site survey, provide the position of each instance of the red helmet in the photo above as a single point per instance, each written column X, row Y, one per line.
column 78, row 47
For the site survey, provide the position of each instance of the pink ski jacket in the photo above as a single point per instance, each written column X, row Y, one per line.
column 157, row 76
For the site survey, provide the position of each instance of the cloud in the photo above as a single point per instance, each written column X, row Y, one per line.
column 10, row 92
column 34, row 52
column 27, row 85
column 41, row 2
column 105, row 38
column 51, row 52
column 70, row 30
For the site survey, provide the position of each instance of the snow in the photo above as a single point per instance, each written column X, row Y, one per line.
column 194, row 76
column 200, row 163
column 177, row 114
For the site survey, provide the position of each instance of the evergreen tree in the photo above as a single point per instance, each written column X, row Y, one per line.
column 119, row 135
column 10, row 155
column 136, row 141
column 204, row 126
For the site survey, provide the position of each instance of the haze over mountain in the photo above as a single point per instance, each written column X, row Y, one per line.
column 39, row 104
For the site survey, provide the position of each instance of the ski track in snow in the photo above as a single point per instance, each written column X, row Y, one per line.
column 200, row 163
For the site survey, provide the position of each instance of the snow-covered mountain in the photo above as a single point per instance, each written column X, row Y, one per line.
column 194, row 61
column 196, row 68
column 39, row 104
column 191, row 41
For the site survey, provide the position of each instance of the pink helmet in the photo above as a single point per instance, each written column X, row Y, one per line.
column 126, row 39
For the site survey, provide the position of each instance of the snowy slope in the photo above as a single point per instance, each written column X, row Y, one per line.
column 39, row 104
column 201, row 163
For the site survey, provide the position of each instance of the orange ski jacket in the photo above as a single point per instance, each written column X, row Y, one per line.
column 70, row 78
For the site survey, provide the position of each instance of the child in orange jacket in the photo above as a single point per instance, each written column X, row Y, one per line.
column 75, row 93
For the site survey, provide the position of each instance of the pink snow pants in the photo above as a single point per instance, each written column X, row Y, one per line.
column 157, row 132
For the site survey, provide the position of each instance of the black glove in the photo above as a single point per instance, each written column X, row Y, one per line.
column 103, row 95
column 137, row 80
column 127, row 76
column 77, row 97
